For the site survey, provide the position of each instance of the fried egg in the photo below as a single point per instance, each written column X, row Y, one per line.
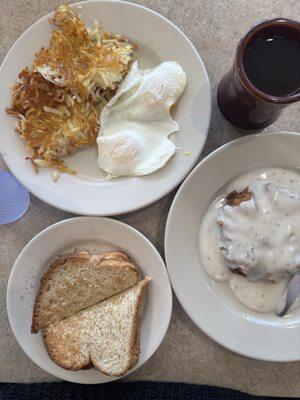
column 136, row 123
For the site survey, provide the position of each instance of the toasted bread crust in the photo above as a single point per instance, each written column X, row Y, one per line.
column 136, row 347
column 114, row 255
column 135, row 336
column 49, row 339
column 110, row 258
column 73, row 367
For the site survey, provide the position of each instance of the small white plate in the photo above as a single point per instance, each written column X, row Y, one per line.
column 87, row 193
column 209, row 303
column 100, row 234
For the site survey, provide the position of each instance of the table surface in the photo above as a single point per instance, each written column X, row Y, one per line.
column 186, row 354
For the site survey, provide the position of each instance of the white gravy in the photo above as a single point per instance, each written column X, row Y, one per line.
column 261, row 236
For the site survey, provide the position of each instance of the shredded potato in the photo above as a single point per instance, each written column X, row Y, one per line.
column 58, row 102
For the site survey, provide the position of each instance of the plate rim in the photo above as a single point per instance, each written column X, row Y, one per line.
column 167, row 248
column 75, row 220
column 79, row 210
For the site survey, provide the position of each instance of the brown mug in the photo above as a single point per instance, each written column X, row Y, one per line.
column 239, row 100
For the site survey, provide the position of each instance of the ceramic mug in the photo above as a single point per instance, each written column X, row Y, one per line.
column 239, row 100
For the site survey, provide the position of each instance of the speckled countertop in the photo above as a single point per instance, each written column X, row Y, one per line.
column 186, row 354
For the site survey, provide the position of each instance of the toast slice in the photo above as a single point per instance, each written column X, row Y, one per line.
column 106, row 334
column 78, row 280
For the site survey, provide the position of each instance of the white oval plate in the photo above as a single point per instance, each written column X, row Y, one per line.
column 87, row 193
column 92, row 233
column 211, row 304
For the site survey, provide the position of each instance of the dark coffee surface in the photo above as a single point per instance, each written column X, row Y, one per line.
column 272, row 64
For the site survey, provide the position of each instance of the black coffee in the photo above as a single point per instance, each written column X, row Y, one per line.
column 272, row 64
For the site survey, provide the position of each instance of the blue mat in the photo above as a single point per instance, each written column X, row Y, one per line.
column 119, row 391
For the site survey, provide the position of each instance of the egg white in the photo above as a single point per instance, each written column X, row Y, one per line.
column 136, row 123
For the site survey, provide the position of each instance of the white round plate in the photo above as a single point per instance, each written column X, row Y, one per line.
column 87, row 193
column 95, row 234
column 211, row 304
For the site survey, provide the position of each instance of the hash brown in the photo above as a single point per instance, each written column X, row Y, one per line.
column 58, row 102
